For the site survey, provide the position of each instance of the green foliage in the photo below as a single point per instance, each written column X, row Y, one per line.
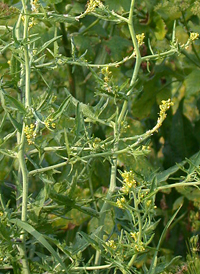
column 99, row 146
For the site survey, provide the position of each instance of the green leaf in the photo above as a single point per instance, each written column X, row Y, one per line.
column 16, row 103
column 192, row 83
column 89, row 239
column 118, row 5
column 52, row 1
column 61, row 108
column 48, row 43
column 80, row 244
column 118, row 52
column 191, row 193
column 14, row 122
column 178, row 202
column 164, row 175
column 85, row 109
column 160, row 30
column 40, row 238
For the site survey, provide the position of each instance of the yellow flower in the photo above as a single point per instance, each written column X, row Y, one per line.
column 111, row 244
column 129, row 180
column 120, row 202
column 30, row 133
column 194, row 36
column 140, row 39
column 92, row 4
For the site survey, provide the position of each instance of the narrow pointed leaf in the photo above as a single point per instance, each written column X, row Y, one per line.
column 61, row 108
column 16, row 103
column 40, row 238
column 48, row 43
column 152, row 269
column 14, row 122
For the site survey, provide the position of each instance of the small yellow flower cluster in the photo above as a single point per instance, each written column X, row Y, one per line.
column 107, row 79
column 139, row 246
column 140, row 39
column 145, row 147
column 120, row 202
column 96, row 143
column 92, row 4
column 48, row 123
column 106, row 73
column 163, row 108
column 30, row 133
column 134, row 235
column 129, row 180
column 194, row 36
column 148, row 203
column 111, row 244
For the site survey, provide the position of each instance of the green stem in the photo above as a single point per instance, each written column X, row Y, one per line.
column 23, row 169
column 137, row 63
column 139, row 229
column 26, row 56
column 178, row 185
column 91, row 267
column 112, row 187
column 159, row 55
column 23, row 173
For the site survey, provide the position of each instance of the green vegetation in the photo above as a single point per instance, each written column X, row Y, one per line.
column 99, row 136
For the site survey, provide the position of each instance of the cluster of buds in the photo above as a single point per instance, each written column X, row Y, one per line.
column 49, row 123
column 139, row 246
column 93, row 4
column 111, row 244
column 140, row 39
column 162, row 115
column 120, row 202
column 96, row 143
column 163, row 108
column 30, row 133
column 124, row 126
column 129, row 181
column 107, row 79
